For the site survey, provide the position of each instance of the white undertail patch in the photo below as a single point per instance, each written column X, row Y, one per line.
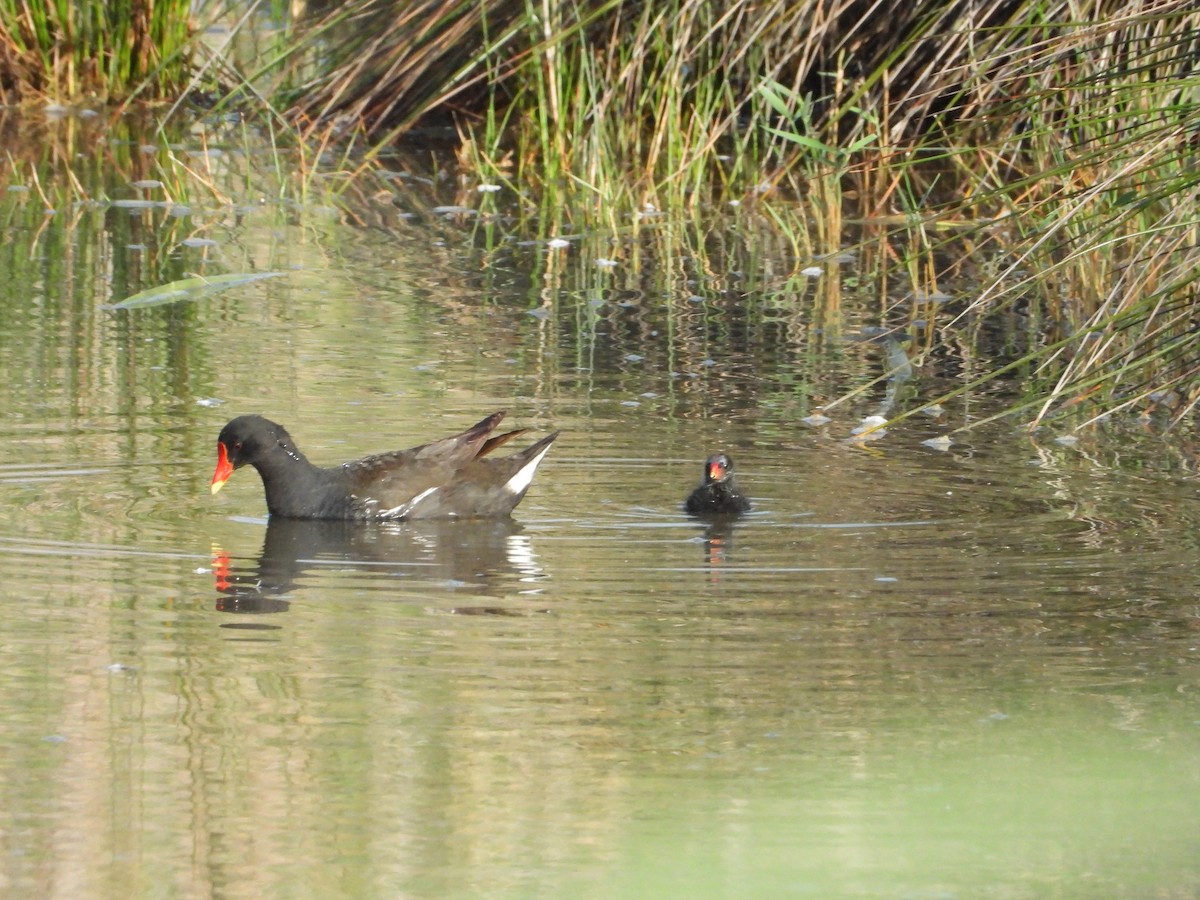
column 519, row 482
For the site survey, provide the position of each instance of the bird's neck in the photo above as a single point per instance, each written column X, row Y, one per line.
column 295, row 488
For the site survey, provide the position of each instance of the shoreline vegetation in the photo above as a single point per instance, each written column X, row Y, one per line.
column 1050, row 158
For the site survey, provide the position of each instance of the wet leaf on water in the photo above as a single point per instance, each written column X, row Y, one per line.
column 189, row 289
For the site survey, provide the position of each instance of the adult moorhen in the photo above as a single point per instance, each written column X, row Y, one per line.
column 443, row 479
column 717, row 494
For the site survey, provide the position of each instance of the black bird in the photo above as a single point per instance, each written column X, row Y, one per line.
column 717, row 494
column 444, row 479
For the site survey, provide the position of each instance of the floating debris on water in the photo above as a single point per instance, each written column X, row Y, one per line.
column 938, row 297
column 869, row 429
column 137, row 204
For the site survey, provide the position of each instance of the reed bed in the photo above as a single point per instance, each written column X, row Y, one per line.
column 1042, row 152
column 1057, row 142
column 71, row 52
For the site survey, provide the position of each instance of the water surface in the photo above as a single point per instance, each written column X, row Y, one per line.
column 909, row 672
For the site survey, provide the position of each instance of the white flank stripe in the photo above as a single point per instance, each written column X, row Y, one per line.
column 519, row 482
column 404, row 509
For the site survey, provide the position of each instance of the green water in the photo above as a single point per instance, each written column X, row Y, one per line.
column 909, row 673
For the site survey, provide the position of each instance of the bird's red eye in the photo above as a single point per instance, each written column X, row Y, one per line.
column 237, row 446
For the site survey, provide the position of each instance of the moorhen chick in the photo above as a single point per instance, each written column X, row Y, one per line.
column 442, row 479
column 717, row 494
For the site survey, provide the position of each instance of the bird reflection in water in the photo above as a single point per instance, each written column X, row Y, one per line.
column 486, row 555
column 718, row 544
